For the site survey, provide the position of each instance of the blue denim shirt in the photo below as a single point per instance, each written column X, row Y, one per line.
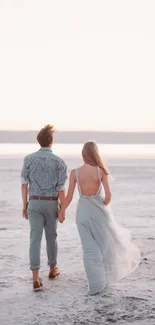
column 45, row 173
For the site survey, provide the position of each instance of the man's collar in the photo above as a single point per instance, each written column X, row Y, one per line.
column 45, row 149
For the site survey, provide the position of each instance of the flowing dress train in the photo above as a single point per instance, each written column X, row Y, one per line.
column 108, row 252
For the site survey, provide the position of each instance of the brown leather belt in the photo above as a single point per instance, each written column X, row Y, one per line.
column 46, row 198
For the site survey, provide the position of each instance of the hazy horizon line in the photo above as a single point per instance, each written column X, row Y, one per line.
column 78, row 131
column 115, row 137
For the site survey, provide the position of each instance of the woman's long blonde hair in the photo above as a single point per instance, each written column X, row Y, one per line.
column 91, row 156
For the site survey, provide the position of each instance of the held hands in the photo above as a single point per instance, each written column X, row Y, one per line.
column 61, row 216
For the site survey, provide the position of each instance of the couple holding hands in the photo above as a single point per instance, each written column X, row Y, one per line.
column 108, row 252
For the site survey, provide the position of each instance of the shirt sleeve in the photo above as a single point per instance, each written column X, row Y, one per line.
column 62, row 176
column 25, row 172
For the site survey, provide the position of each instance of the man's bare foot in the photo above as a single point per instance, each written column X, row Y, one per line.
column 54, row 272
column 35, row 275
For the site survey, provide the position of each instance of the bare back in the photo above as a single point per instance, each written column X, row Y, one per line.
column 89, row 178
column 89, row 181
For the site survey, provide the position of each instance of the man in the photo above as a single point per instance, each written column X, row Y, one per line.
column 43, row 175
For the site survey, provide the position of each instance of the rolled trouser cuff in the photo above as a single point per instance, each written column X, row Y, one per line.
column 34, row 267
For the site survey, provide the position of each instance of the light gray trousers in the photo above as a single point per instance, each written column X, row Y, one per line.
column 42, row 215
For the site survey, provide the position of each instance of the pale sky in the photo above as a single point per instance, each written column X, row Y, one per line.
column 77, row 64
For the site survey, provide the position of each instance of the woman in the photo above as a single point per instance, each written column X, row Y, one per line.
column 108, row 252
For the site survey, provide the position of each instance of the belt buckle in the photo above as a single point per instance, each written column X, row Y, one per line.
column 38, row 197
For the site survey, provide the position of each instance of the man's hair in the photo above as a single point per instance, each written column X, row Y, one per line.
column 45, row 135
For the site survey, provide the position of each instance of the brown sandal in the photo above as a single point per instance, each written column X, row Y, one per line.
column 54, row 273
column 37, row 285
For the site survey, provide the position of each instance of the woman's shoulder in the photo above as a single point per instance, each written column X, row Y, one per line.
column 73, row 172
column 102, row 173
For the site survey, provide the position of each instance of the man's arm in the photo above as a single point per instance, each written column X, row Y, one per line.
column 62, row 176
column 24, row 191
column 24, row 188
column 61, row 196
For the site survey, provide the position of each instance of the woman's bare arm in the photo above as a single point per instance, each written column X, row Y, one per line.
column 68, row 199
column 107, row 190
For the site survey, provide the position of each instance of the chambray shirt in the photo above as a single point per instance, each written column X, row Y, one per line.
column 45, row 173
